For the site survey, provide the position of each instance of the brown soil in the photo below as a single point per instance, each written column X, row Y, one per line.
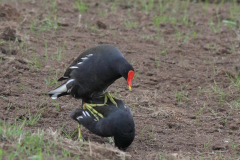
column 203, row 122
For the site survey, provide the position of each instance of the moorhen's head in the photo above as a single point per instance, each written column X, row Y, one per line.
column 124, row 131
column 126, row 70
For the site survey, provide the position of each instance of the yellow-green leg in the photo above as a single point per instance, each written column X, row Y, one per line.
column 80, row 138
column 110, row 97
column 90, row 108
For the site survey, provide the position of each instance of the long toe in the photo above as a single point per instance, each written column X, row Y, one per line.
column 110, row 141
column 111, row 98
column 95, row 113
column 80, row 139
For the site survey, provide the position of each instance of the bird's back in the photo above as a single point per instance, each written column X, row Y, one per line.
column 92, row 71
column 103, row 52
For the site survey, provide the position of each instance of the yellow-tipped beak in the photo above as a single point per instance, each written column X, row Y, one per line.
column 130, row 88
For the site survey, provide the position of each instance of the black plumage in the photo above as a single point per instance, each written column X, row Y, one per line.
column 93, row 72
column 117, row 122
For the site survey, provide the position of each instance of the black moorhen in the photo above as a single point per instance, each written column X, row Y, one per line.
column 117, row 122
column 93, row 72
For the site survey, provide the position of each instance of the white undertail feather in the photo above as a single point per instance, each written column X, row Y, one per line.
column 70, row 80
column 55, row 96
column 59, row 90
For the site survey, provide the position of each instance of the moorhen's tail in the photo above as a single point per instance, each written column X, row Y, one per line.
column 103, row 127
column 85, row 118
column 62, row 90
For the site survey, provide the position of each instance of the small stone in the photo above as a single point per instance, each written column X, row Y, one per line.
column 47, row 66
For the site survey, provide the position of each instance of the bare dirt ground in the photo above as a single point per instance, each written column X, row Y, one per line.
column 185, row 97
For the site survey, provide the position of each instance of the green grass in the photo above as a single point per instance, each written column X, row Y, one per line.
column 234, row 80
column 206, row 145
column 130, row 23
column 2, row 42
column 58, row 108
column 36, row 60
column 82, row 7
column 94, row 29
column 29, row 117
column 68, row 134
column 181, row 96
column 234, row 104
column 49, row 23
column 51, row 81
column 200, row 112
column 60, row 51
column 147, row 5
column 113, row 9
column 22, row 144
column 235, row 145
column 220, row 92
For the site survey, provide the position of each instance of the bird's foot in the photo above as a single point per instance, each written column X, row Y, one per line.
column 90, row 108
column 80, row 139
column 110, row 97
column 110, row 140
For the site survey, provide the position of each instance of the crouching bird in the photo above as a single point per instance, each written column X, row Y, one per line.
column 92, row 73
column 117, row 121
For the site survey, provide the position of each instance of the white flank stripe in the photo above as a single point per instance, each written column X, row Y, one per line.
column 84, row 113
column 59, row 90
column 80, row 63
column 89, row 55
column 85, row 58
column 79, row 117
column 73, row 67
column 69, row 81
column 88, row 114
column 65, row 77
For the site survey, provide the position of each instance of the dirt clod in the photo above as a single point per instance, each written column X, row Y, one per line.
column 8, row 12
column 9, row 34
column 219, row 146
column 101, row 25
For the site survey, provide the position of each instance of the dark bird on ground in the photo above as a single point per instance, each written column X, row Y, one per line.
column 117, row 122
column 93, row 72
